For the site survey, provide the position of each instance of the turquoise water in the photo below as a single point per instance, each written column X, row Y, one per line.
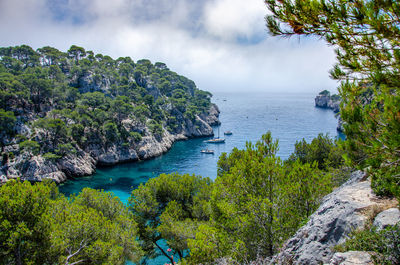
column 289, row 117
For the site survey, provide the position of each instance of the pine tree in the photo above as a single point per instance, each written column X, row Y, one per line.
column 366, row 35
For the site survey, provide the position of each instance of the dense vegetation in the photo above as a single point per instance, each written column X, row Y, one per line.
column 41, row 226
column 54, row 103
column 366, row 35
column 256, row 202
column 384, row 245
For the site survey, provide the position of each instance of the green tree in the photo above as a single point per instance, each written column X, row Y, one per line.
column 40, row 226
column 55, row 128
column 257, row 203
column 92, row 228
column 322, row 150
column 110, row 131
column 122, row 107
column 50, row 55
column 366, row 36
column 76, row 52
column 7, row 121
column 30, row 146
column 169, row 207
column 24, row 237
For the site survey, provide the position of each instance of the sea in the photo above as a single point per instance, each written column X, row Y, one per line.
column 290, row 117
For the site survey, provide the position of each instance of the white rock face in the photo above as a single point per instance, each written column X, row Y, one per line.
column 386, row 218
column 340, row 213
column 83, row 162
column 352, row 258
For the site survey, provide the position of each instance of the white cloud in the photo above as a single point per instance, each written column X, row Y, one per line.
column 229, row 19
column 195, row 38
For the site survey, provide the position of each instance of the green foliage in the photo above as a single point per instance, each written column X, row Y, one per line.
column 155, row 127
column 50, row 156
column 40, row 226
column 257, row 202
column 325, row 93
column 335, row 97
column 169, row 207
column 7, row 121
column 30, row 146
column 104, row 108
column 323, row 150
column 110, row 131
column 65, row 149
column 96, row 226
column 384, row 244
column 137, row 137
column 55, row 129
column 24, row 235
column 366, row 36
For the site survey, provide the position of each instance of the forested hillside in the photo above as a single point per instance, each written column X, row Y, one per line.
column 64, row 112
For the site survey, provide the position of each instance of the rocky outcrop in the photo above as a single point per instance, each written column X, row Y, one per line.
column 32, row 168
column 352, row 258
column 325, row 100
column 340, row 212
column 212, row 115
column 83, row 162
column 387, row 218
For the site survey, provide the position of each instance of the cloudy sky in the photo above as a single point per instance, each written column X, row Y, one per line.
column 222, row 45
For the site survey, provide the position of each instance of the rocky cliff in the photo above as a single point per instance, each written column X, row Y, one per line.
column 84, row 162
column 346, row 209
column 327, row 101
column 62, row 114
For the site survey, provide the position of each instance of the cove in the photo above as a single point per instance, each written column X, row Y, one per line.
column 289, row 116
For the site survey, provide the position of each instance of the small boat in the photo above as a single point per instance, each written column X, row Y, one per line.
column 207, row 151
column 228, row 133
column 216, row 140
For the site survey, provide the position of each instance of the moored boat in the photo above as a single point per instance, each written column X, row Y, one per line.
column 228, row 133
column 207, row 151
column 216, row 140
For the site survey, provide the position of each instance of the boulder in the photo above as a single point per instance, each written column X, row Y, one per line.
column 352, row 258
column 386, row 218
column 39, row 169
column 340, row 212
column 77, row 165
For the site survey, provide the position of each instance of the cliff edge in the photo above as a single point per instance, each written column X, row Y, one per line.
column 347, row 208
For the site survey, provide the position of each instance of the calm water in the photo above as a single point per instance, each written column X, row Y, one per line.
column 290, row 117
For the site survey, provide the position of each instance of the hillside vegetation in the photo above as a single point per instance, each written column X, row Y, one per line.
column 89, row 109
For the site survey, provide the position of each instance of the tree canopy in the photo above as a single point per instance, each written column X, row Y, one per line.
column 366, row 35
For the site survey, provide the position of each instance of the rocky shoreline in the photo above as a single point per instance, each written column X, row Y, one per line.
column 84, row 162
column 325, row 100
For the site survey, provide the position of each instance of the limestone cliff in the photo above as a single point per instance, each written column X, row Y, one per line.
column 327, row 101
column 65, row 113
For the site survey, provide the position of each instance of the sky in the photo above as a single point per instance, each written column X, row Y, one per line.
column 222, row 45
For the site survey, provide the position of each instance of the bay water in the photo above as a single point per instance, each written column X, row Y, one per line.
column 289, row 116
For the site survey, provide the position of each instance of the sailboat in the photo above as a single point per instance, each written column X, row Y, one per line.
column 216, row 140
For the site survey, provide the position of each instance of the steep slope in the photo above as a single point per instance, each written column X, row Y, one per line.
column 63, row 113
column 346, row 209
